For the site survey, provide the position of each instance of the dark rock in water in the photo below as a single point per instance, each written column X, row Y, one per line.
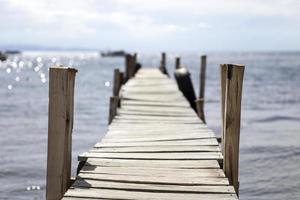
column 3, row 56
column 113, row 53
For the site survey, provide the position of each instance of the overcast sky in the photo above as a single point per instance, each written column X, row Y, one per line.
column 153, row 25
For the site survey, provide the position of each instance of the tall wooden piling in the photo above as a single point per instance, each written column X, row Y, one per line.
column 163, row 60
column 202, row 77
column 185, row 85
column 130, row 66
column 223, row 76
column 177, row 62
column 113, row 105
column 200, row 100
column 117, row 82
column 60, row 125
column 163, row 67
column 122, row 78
column 231, row 124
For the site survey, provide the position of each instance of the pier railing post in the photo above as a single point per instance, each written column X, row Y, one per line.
column 177, row 62
column 231, row 124
column 163, row 67
column 200, row 101
column 117, row 82
column 122, row 78
column 60, row 125
column 185, row 85
column 223, row 76
column 130, row 66
column 113, row 105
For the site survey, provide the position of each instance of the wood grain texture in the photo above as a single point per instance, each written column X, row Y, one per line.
column 232, row 120
column 60, row 125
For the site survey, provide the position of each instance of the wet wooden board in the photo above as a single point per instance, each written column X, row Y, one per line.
column 155, row 148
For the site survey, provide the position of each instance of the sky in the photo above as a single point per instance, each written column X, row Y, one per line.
column 153, row 25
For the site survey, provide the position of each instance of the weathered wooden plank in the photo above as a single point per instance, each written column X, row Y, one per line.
column 212, row 142
column 153, row 103
column 153, row 163
column 158, row 109
column 178, row 180
column 158, row 126
column 159, row 134
column 162, row 113
column 157, row 138
column 155, row 98
column 153, row 187
column 156, row 156
column 160, row 130
column 175, row 148
column 158, row 172
column 123, row 194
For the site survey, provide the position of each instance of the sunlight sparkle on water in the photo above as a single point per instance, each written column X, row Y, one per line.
column 17, row 78
column 39, row 59
column 14, row 65
column 43, row 80
column 29, row 64
column 107, row 83
column 36, row 68
column 8, row 70
column 21, row 64
column 9, row 87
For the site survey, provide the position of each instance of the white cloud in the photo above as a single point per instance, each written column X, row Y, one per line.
column 82, row 17
column 146, row 21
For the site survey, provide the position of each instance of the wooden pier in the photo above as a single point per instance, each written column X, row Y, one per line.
column 156, row 146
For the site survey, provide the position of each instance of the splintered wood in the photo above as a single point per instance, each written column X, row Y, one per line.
column 156, row 147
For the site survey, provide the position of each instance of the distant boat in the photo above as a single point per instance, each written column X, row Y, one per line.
column 12, row 52
column 113, row 53
column 3, row 56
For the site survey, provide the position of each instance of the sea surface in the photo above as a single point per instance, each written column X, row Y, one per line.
column 270, row 130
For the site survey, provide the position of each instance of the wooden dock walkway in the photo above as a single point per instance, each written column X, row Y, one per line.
column 156, row 148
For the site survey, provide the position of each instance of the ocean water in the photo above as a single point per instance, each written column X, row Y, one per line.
column 270, row 131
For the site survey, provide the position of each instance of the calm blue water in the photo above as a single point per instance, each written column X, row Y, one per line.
column 270, row 133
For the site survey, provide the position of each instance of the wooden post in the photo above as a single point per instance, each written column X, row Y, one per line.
column 177, row 62
column 223, row 71
column 185, row 85
column 113, row 105
column 200, row 100
column 199, row 107
column 130, row 65
column 163, row 67
column 202, row 77
column 60, row 125
column 163, row 60
column 232, row 119
column 122, row 78
column 117, row 82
